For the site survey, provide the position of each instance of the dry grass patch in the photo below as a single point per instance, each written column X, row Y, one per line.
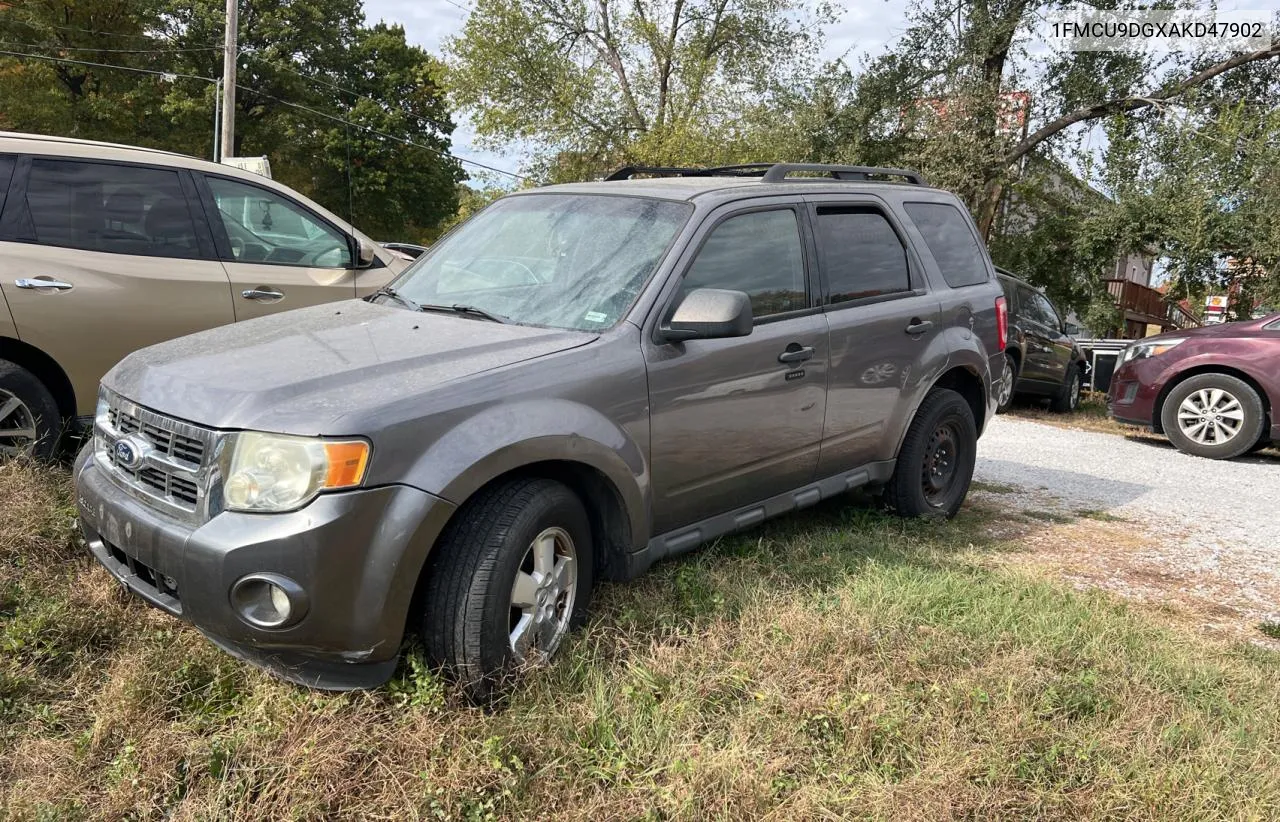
column 834, row 664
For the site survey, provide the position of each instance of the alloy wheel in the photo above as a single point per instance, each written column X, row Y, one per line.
column 1075, row 394
column 1210, row 416
column 17, row 426
column 1006, row 384
column 542, row 596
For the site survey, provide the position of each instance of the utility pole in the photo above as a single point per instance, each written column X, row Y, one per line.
column 229, row 56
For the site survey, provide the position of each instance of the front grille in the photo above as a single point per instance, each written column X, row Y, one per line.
column 175, row 467
column 167, row 442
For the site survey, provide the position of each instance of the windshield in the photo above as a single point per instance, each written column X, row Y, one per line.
column 559, row 260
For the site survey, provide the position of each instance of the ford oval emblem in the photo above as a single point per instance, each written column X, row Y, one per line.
column 130, row 451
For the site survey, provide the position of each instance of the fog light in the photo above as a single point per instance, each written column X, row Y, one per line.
column 268, row 600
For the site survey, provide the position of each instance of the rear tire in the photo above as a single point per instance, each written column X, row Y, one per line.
column 1217, row 416
column 30, row 423
column 1067, row 400
column 525, row 541
column 1008, row 382
column 935, row 464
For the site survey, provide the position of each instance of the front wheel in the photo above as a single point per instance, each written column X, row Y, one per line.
column 935, row 463
column 1067, row 400
column 510, row 577
column 1213, row 415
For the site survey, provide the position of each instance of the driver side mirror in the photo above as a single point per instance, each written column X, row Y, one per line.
column 709, row 314
column 366, row 254
column 1071, row 330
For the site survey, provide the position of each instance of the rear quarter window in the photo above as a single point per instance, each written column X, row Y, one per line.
column 6, row 171
column 951, row 242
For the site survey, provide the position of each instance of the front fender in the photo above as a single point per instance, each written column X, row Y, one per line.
column 509, row 436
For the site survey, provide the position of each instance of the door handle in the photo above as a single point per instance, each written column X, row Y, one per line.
column 263, row 294
column 43, row 282
column 796, row 353
column 918, row 326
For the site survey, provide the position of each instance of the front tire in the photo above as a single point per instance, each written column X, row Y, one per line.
column 30, row 423
column 510, row 577
column 1067, row 400
column 1217, row 416
column 935, row 464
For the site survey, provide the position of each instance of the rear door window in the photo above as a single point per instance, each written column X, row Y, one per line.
column 113, row 208
column 861, row 254
column 951, row 242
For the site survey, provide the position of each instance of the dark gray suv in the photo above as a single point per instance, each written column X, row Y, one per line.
column 577, row 382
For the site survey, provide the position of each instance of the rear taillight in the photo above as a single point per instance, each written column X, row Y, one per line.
column 1002, row 322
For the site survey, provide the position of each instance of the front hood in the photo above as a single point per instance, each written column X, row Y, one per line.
column 319, row 370
column 1216, row 330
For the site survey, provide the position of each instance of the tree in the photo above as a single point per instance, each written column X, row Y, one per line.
column 590, row 84
column 307, row 68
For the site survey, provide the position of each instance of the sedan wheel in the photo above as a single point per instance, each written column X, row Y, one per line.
column 1213, row 415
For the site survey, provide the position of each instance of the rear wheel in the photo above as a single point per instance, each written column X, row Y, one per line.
column 935, row 464
column 30, row 423
column 1213, row 415
column 1008, row 379
column 509, row 579
column 1067, row 399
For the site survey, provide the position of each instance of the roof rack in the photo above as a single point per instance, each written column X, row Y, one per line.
column 771, row 172
column 780, row 172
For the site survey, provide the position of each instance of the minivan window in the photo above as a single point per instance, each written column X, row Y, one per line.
column 758, row 253
column 555, row 260
column 861, row 254
column 6, row 171
column 265, row 227
column 113, row 208
column 951, row 242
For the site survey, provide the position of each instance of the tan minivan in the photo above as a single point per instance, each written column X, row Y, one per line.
column 106, row 248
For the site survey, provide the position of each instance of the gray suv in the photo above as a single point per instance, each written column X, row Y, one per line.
column 577, row 382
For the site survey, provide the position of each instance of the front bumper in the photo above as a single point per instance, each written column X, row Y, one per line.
column 356, row 554
column 1135, row 386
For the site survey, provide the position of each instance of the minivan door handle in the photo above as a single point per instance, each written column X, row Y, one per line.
column 262, row 294
column 796, row 353
column 919, row 326
column 43, row 282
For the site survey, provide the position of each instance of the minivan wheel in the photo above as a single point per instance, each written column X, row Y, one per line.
column 29, row 419
column 1067, row 399
column 510, row 577
column 1008, row 379
column 1213, row 415
column 935, row 464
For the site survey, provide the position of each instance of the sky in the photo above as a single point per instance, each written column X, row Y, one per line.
column 864, row 28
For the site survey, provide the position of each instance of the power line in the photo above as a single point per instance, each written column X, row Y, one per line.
column 110, row 51
column 155, row 72
column 316, row 112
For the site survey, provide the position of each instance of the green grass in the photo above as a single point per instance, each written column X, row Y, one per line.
column 834, row 664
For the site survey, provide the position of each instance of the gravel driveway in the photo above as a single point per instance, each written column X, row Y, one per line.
column 1201, row 531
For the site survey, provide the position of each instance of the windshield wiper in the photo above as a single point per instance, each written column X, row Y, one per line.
column 388, row 291
column 466, row 309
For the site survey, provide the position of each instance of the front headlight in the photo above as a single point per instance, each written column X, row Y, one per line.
column 1143, row 350
column 275, row 472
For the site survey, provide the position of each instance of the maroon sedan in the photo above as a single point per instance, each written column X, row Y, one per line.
column 1212, row 391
